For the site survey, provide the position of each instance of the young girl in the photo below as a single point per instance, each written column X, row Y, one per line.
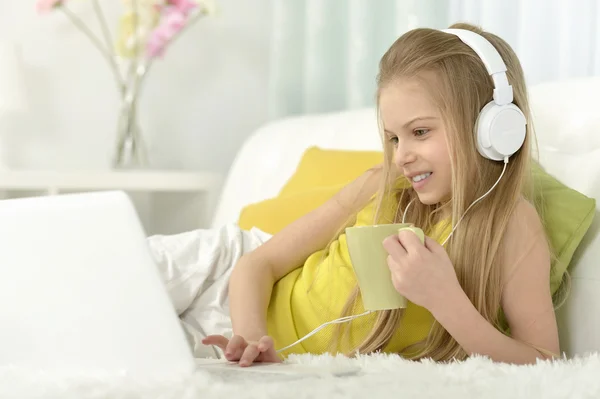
column 457, row 165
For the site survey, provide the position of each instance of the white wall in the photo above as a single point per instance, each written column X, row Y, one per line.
column 199, row 103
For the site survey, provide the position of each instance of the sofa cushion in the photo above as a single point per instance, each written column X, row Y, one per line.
column 273, row 214
column 324, row 168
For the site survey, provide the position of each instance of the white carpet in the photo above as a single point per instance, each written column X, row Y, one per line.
column 380, row 377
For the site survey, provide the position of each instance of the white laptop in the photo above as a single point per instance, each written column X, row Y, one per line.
column 79, row 291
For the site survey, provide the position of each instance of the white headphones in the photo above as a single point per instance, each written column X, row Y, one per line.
column 501, row 126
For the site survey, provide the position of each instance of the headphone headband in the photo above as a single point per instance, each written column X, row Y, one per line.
column 500, row 128
column 503, row 92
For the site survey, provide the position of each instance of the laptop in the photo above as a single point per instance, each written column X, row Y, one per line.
column 79, row 290
column 81, row 294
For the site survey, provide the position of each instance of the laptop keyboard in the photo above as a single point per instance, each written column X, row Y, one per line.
column 254, row 376
column 271, row 372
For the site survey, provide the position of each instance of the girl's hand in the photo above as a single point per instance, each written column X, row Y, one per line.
column 422, row 273
column 237, row 349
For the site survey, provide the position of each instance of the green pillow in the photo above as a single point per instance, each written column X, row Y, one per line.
column 567, row 216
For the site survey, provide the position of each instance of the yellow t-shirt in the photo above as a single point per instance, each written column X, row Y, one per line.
column 316, row 293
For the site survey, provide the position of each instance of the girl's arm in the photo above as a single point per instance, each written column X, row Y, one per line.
column 526, row 301
column 255, row 274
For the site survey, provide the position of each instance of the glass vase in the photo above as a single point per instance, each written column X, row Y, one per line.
column 131, row 150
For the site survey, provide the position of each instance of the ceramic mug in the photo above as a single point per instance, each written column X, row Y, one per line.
column 368, row 257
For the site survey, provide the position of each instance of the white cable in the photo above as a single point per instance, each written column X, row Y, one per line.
column 407, row 206
column 337, row 321
column 477, row 200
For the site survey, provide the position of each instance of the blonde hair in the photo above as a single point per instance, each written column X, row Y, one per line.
column 463, row 88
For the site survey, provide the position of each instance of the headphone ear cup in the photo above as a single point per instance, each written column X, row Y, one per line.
column 500, row 131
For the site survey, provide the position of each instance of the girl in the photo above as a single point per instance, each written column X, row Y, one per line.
column 457, row 165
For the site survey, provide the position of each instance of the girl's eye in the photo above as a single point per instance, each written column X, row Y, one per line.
column 394, row 140
column 420, row 132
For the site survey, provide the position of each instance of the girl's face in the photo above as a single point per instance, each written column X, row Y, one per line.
column 414, row 126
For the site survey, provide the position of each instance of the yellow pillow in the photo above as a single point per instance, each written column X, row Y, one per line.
column 274, row 214
column 325, row 168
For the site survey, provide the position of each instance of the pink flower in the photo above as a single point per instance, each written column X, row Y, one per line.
column 44, row 6
column 172, row 22
column 184, row 6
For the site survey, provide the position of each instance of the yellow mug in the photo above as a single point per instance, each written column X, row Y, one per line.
column 369, row 260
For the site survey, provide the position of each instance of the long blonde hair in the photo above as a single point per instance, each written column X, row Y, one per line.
column 475, row 247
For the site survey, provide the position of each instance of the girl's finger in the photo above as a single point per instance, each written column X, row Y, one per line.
column 392, row 264
column 217, row 340
column 265, row 343
column 249, row 355
column 393, row 247
column 236, row 347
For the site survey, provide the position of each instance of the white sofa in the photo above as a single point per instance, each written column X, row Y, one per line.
column 567, row 121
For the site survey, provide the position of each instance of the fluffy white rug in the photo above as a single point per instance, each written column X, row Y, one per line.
column 381, row 376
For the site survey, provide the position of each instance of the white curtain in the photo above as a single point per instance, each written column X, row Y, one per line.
column 324, row 53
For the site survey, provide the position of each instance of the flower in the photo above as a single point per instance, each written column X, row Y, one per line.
column 174, row 16
column 149, row 24
column 184, row 6
column 173, row 20
column 208, row 7
column 44, row 6
column 146, row 19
